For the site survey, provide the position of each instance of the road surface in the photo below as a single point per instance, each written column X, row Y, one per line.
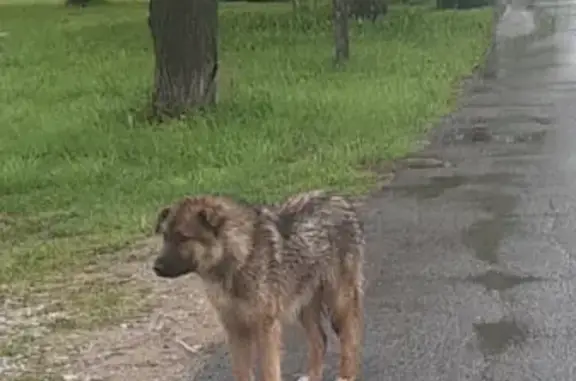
column 471, row 261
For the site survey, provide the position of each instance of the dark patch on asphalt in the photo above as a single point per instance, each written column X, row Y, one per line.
column 496, row 337
column 435, row 188
column 437, row 185
column 500, row 281
column 421, row 163
column 483, row 134
column 497, row 203
column 415, row 162
column 510, row 119
column 515, row 151
column 485, row 237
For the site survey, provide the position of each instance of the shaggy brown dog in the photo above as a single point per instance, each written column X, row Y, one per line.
column 263, row 266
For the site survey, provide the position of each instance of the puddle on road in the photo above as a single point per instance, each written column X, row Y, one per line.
column 496, row 337
column 497, row 203
column 512, row 119
column 484, row 237
column 515, row 151
column 500, row 281
column 433, row 189
column 483, row 134
column 530, row 137
column 413, row 162
column 507, row 129
column 422, row 162
column 437, row 185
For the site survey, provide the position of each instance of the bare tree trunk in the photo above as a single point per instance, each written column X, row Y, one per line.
column 295, row 6
column 493, row 56
column 80, row 3
column 368, row 9
column 185, row 37
column 341, row 36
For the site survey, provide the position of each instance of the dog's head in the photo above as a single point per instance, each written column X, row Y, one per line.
column 192, row 236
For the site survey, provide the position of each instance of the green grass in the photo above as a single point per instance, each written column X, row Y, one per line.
column 81, row 173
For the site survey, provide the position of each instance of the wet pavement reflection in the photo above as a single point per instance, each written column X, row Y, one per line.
column 471, row 268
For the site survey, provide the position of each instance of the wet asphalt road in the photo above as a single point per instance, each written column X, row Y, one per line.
column 471, row 266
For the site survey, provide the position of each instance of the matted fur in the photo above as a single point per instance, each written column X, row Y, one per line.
column 262, row 266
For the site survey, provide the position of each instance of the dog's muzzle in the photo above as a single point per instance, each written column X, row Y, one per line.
column 163, row 269
column 159, row 269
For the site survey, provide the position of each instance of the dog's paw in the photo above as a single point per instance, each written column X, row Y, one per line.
column 302, row 378
column 343, row 379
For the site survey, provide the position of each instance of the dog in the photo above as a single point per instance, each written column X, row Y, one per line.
column 300, row 260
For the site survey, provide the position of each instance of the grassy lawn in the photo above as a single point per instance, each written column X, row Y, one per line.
column 82, row 174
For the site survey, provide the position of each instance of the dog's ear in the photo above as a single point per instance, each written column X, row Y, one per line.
column 162, row 215
column 212, row 218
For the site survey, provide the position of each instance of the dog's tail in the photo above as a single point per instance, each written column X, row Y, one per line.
column 297, row 202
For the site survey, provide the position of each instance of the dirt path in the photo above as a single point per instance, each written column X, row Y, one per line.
column 114, row 321
column 44, row 338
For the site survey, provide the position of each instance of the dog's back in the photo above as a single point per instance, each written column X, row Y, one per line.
column 323, row 247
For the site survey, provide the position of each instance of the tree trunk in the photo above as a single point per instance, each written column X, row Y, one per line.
column 80, row 3
column 493, row 57
column 368, row 9
column 185, row 37
column 295, row 6
column 341, row 37
column 446, row 4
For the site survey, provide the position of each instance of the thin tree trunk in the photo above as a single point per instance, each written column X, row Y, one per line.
column 367, row 9
column 493, row 57
column 80, row 3
column 341, row 37
column 295, row 6
column 185, row 37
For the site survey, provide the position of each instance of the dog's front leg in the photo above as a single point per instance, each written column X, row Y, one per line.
column 269, row 343
column 242, row 348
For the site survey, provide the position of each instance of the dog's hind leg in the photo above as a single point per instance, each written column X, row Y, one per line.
column 311, row 320
column 269, row 343
column 347, row 322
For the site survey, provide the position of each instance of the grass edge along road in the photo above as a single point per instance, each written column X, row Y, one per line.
column 82, row 175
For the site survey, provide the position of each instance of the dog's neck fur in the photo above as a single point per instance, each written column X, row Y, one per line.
column 248, row 249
